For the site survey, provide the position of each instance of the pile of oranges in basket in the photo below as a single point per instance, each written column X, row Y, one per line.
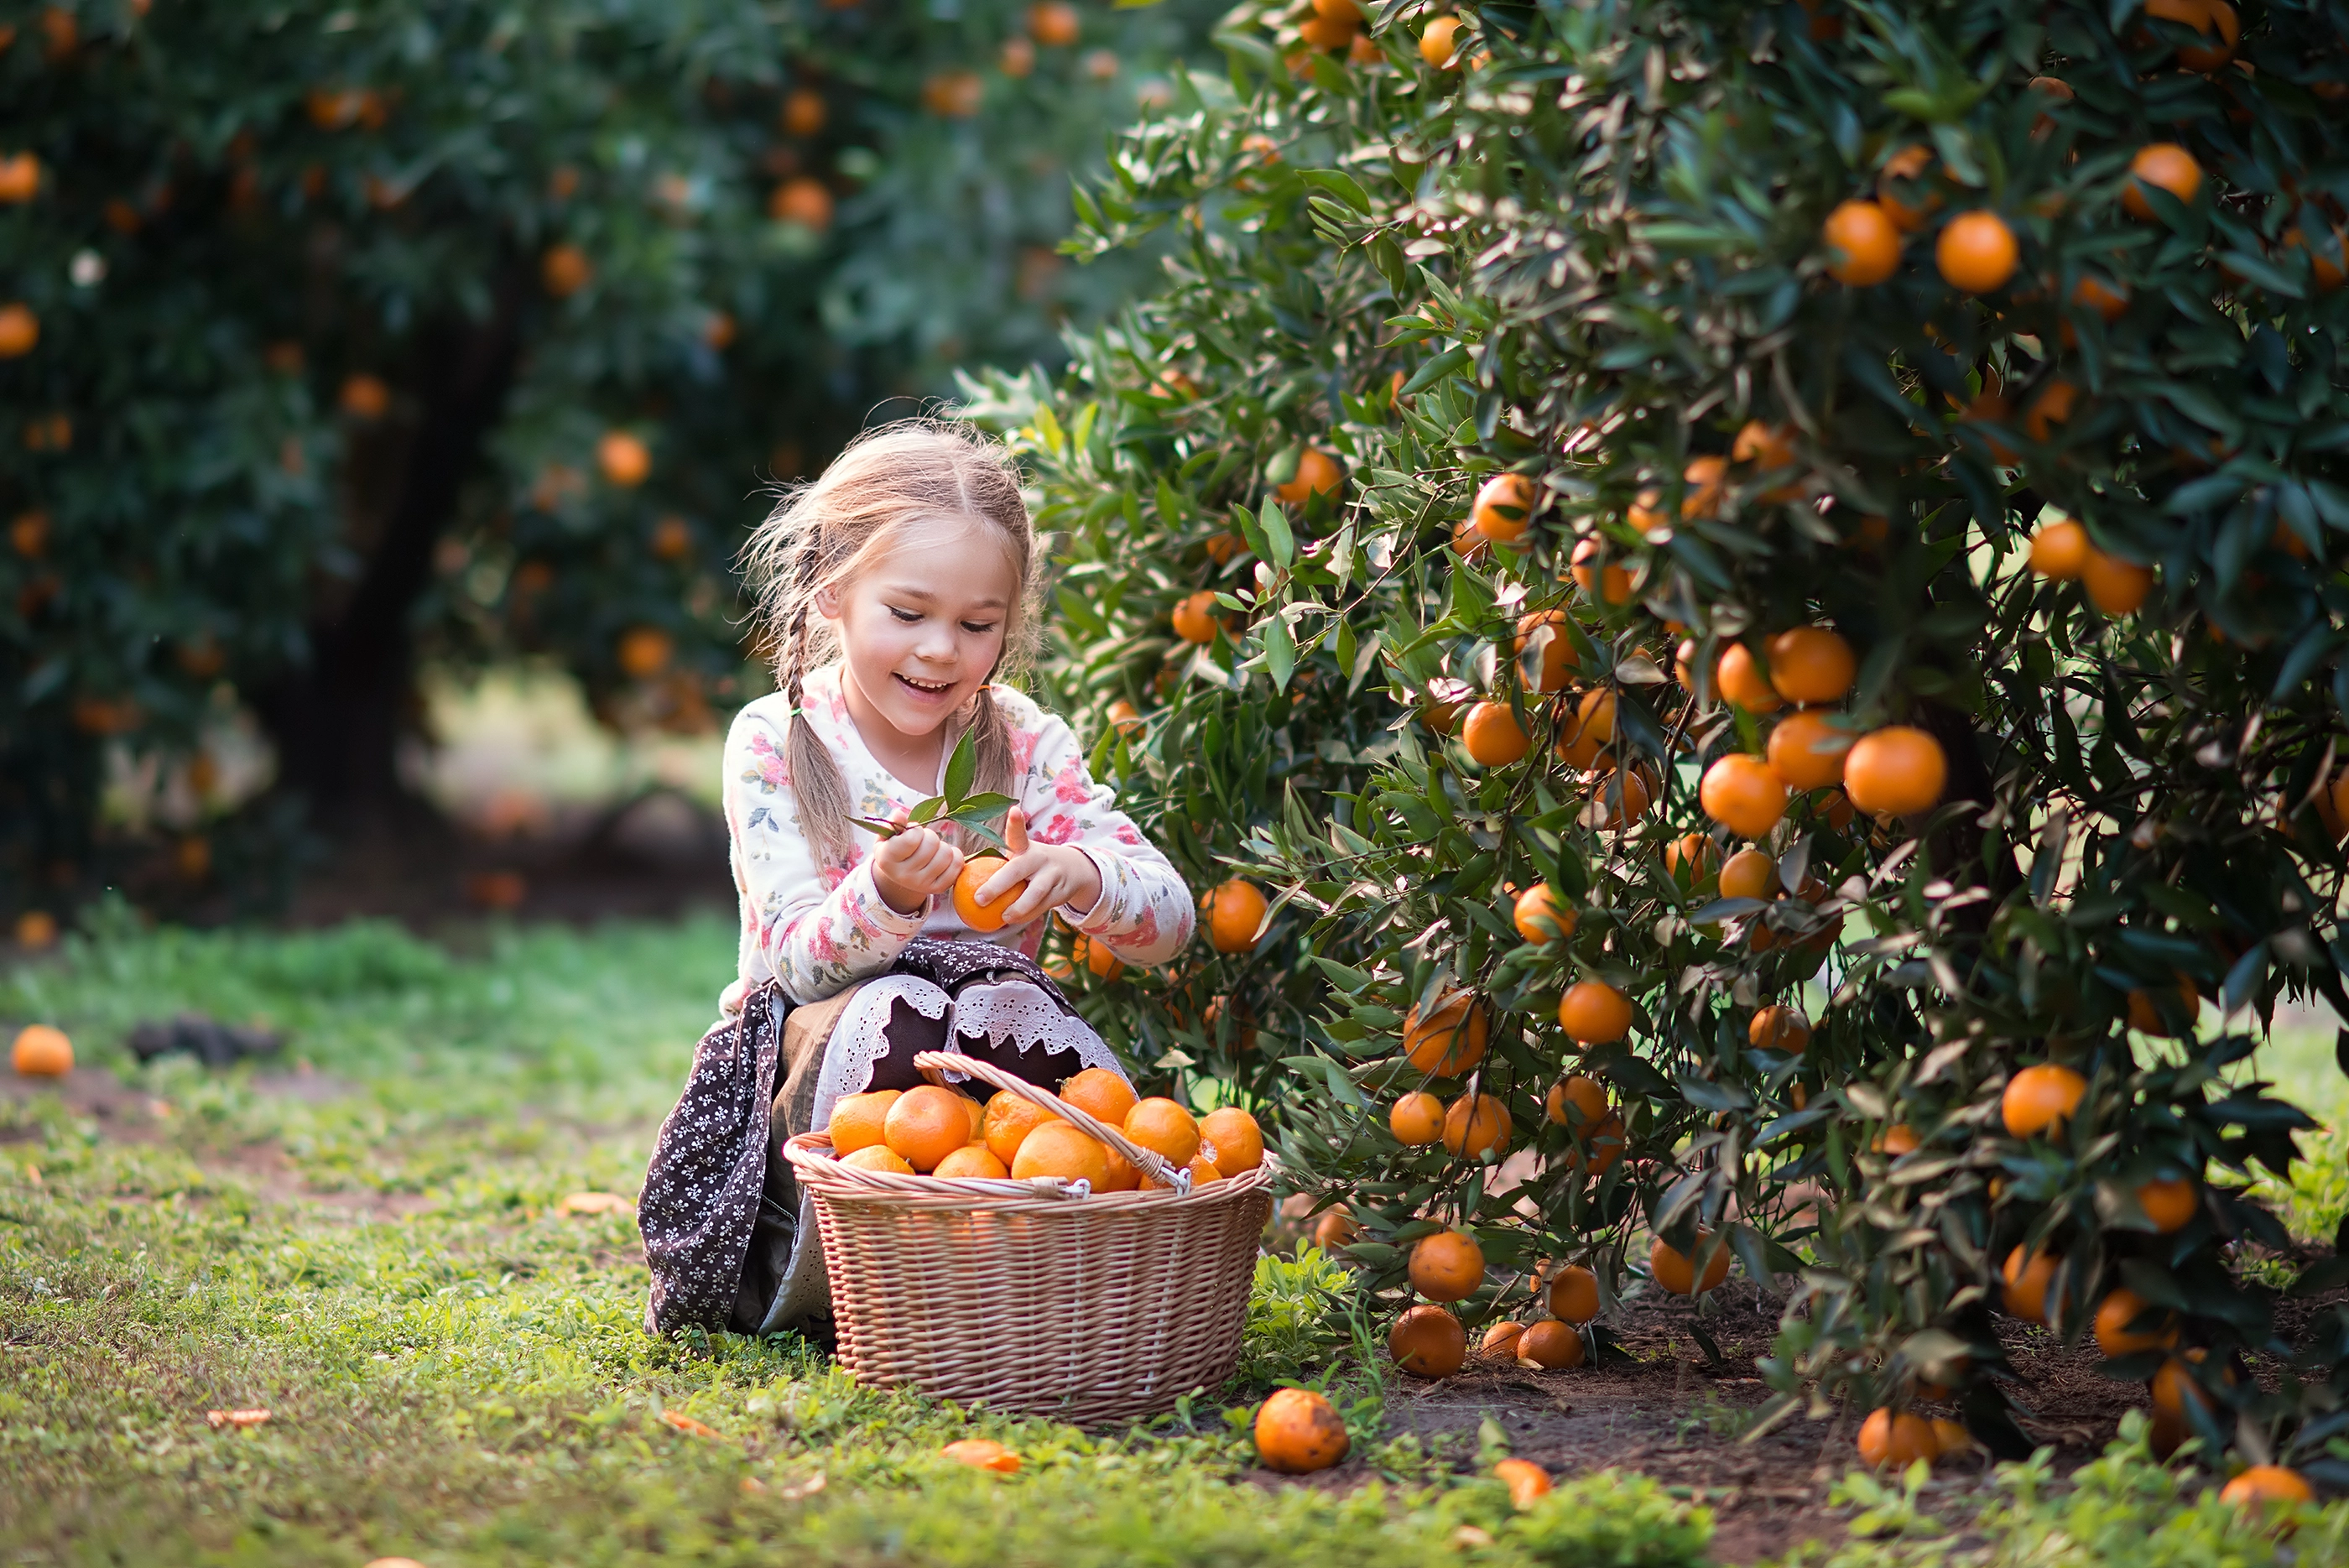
column 936, row 1131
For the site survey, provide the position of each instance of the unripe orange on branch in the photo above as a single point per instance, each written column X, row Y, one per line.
column 1863, row 244
column 1897, row 771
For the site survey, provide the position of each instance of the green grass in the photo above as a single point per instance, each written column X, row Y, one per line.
column 457, row 1370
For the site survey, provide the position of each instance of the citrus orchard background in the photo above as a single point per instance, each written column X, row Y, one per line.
column 1762, row 584
column 335, row 338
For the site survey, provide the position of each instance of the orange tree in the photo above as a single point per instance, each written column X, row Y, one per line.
column 330, row 336
column 1804, row 725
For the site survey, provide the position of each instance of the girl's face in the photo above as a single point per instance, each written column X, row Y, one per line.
column 921, row 627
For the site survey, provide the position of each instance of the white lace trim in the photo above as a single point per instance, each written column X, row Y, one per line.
column 1005, row 1012
column 860, row 1038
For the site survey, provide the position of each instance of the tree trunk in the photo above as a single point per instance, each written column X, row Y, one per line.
column 337, row 720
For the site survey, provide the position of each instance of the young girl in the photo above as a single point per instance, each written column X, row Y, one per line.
column 896, row 589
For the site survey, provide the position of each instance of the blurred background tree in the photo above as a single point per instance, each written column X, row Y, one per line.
column 336, row 337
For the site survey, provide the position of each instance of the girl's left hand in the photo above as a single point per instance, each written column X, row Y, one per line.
column 1055, row 875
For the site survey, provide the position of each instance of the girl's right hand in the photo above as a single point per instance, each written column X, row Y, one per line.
column 911, row 866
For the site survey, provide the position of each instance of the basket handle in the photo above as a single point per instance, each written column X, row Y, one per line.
column 1148, row 1161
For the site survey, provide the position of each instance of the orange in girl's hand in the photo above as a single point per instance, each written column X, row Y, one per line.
column 858, row 1121
column 972, row 1159
column 1237, row 1141
column 1056, row 1148
column 981, row 917
column 1100, row 1094
column 1009, row 1121
column 1164, row 1128
column 925, row 1125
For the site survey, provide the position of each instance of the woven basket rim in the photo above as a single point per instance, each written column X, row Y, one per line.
column 810, row 1154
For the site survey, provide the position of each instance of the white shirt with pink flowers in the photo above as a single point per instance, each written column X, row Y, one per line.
column 820, row 927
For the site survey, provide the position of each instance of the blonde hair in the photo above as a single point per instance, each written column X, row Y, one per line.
column 824, row 534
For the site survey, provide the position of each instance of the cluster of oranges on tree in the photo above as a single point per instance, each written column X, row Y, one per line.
column 1919, row 593
column 932, row 1130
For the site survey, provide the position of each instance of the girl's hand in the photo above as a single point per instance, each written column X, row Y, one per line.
column 912, row 866
column 1056, row 874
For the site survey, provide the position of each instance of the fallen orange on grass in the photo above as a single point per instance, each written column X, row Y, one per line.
column 982, row 1454
column 1298, row 1432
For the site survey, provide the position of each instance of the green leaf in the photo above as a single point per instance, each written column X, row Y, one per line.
column 961, row 767
column 1276, row 536
column 1279, row 650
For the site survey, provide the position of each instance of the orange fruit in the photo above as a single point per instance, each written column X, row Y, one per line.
column 983, row 1454
column 1897, row 1441
column 1742, row 795
column 1738, row 677
column 877, row 1156
column 977, row 1113
column 1056, row 1148
column 1748, row 874
column 1897, row 770
column 1416, row 1119
column 1863, row 244
column 1574, row 1294
column 1594, row 1013
column 802, row 199
column 2119, row 1331
column 625, row 460
column 1691, row 853
column 1122, row 1176
column 1125, row 717
column 1551, row 1344
column 1501, row 1339
column 2262, row 1485
column 1906, row 167
column 1233, row 911
column 804, row 112
column 1558, row 660
column 1527, row 1483
column 1451, row 1041
column 2051, row 408
column 36, row 928
column 1438, row 41
column 1237, row 1141
column 1764, row 446
column 1674, row 1270
column 1949, row 1438
column 2060, row 550
column 1165, row 1128
column 1446, row 1266
column 2115, row 586
column 2169, row 1202
column 2164, row 164
column 1336, row 1228
column 1008, row 1122
column 1596, row 575
column 1055, row 24
column 1493, row 736
column 1811, row 664
column 645, row 651
column 1195, row 617
column 1100, row 1094
column 972, row 1161
column 365, row 396
column 1504, row 508
column 1298, row 1431
column 20, row 177
column 953, row 95
column 858, row 1120
column 2110, row 303
column 564, row 270
column 1779, row 1027
column 1976, row 253
column 1597, row 1148
column 1703, row 478
column 1475, row 1125
column 1541, row 916
column 2027, row 1277
column 41, row 1051
column 2039, row 1097
column 1317, row 473
column 2327, row 271
column 924, row 1125
column 1897, row 1140
column 1575, row 1101
column 1428, row 1342
column 975, row 872
column 2145, row 1016
column 1807, row 750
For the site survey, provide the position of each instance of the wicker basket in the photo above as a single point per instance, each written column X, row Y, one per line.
column 1029, row 1295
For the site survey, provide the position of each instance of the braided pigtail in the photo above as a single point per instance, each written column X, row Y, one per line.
column 816, row 784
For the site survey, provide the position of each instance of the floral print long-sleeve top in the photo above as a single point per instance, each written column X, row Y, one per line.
column 820, row 927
